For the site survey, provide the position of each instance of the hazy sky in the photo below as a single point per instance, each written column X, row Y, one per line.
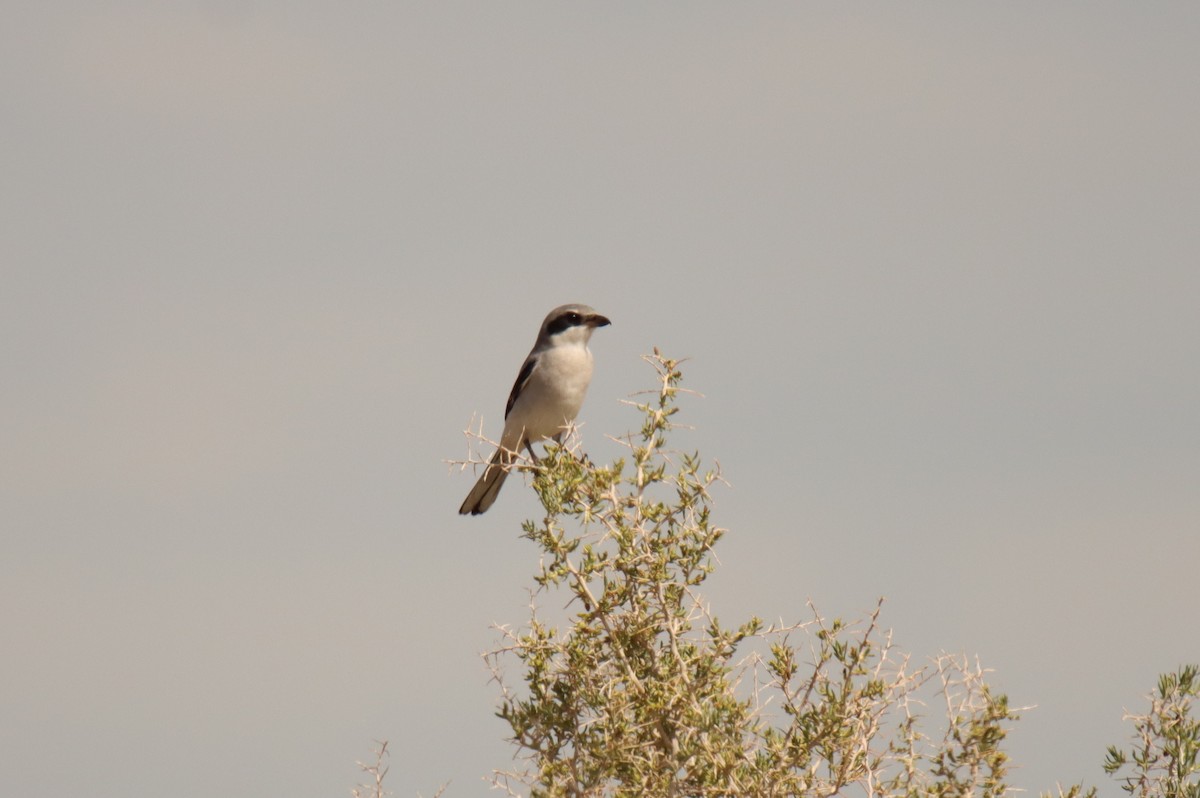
column 935, row 266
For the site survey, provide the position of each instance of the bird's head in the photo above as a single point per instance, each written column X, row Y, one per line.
column 570, row 324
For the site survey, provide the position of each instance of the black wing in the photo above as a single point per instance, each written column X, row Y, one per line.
column 522, row 378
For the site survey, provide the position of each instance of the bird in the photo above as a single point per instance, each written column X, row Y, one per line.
column 546, row 397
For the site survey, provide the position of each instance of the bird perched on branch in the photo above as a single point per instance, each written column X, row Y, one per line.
column 545, row 398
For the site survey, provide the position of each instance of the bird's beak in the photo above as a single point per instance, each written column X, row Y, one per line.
column 596, row 320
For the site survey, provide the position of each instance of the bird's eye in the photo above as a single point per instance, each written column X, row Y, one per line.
column 574, row 318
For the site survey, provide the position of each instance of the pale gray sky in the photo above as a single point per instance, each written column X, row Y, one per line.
column 936, row 266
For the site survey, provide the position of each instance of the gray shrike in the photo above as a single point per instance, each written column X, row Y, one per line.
column 545, row 398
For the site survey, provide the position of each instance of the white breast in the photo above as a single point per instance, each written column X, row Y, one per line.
column 554, row 394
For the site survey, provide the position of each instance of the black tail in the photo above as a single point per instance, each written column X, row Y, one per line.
column 488, row 487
